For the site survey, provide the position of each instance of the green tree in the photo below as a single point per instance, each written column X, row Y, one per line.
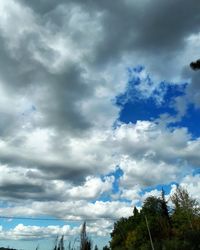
column 86, row 244
column 186, row 219
column 106, row 248
column 155, row 227
column 186, row 208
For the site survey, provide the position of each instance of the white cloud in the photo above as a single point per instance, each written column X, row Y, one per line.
column 132, row 194
column 192, row 184
column 71, row 210
column 92, row 188
column 146, row 172
column 152, row 154
column 154, row 192
column 28, row 232
column 23, row 232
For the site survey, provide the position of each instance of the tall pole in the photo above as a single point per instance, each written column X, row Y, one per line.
column 149, row 233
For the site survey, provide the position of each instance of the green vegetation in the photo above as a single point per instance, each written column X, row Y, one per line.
column 85, row 242
column 158, row 227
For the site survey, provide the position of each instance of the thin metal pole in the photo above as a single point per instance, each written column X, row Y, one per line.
column 149, row 233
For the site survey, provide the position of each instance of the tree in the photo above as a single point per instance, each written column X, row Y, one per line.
column 156, row 226
column 156, row 216
column 195, row 65
column 61, row 244
column 166, row 220
column 106, row 248
column 86, row 244
column 119, row 234
column 185, row 206
column 186, row 219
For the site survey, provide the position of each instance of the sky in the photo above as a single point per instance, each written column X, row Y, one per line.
column 99, row 108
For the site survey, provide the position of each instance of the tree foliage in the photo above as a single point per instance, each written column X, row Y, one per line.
column 177, row 227
column 195, row 65
column 86, row 243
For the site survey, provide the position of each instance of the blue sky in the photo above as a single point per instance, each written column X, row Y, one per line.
column 99, row 109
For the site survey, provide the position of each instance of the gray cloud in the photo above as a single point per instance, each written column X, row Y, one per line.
column 193, row 91
column 141, row 24
column 59, row 93
column 21, row 191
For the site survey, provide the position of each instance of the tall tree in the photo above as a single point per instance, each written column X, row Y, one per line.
column 61, row 243
column 185, row 206
column 166, row 220
column 86, row 244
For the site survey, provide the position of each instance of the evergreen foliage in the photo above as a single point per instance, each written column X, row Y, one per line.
column 177, row 228
column 86, row 244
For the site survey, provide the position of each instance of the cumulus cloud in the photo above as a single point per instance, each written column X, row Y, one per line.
column 191, row 183
column 22, row 232
column 137, row 148
column 77, row 210
column 27, row 232
column 92, row 188
column 32, row 185
column 151, row 154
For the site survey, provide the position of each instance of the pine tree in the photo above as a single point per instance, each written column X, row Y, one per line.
column 85, row 242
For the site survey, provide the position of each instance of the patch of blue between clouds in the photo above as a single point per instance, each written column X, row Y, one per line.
column 160, row 187
column 10, row 223
column 196, row 172
column 149, row 101
column 117, row 174
column 190, row 121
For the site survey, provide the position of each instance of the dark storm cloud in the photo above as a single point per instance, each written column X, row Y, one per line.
column 129, row 25
column 6, row 124
column 63, row 90
column 20, row 191
column 193, row 90
column 18, row 69
column 74, row 173
column 153, row 31
column 150, row 28
column 67, row 173
column 43, row 6
column 27, row 191
column 63, row 96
